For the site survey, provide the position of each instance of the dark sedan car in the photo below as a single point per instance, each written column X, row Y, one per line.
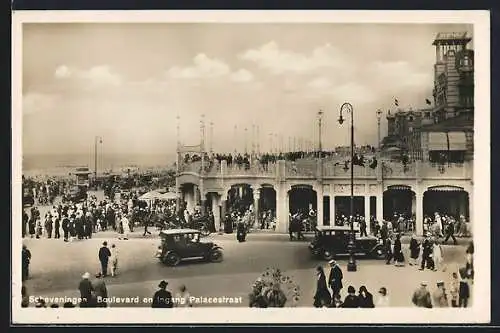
column 181, row 244
column 330, row 241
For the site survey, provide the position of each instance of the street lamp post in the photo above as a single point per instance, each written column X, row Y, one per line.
column 351, row 266
column 320, row 147
column 96, row 140
column 379, row 116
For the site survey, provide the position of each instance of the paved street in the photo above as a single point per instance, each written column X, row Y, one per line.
column 57, row 266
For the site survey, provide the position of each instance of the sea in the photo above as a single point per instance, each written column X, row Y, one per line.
column 34, row 165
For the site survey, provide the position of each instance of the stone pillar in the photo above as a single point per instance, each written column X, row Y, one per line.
column 367, row 213
column 282, row 209
column 319, row 207
column 256, row 198
column 223, row 205
column 178, row 198
column 380, row 207
column 216, row 210
column 419, row 213
column 333, row 210
column 196, row 195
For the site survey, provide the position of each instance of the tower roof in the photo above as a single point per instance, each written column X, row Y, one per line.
column 445, row 38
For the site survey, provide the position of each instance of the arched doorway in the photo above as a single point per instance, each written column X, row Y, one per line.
column 190, row 197
column 302, row 198
column 343, row 207
column 446, row 200
column 399, row 205
column 240, row 198
column 267, row 207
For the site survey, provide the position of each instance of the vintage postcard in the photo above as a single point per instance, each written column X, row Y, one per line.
column 250, row 167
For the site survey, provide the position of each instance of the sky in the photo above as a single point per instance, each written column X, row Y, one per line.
column 128, row 83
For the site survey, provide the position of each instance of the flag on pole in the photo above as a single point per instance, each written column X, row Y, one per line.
column 396, row 102
column 428, row 101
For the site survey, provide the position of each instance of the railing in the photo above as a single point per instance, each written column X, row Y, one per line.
column 337, row 168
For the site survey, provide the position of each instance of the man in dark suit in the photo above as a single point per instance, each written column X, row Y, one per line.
column 104, row 254
column 335, row 278
column 162, row 298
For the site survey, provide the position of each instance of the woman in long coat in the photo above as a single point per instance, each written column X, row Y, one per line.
column 398, row 252
column 414, row 250
column 322, row 297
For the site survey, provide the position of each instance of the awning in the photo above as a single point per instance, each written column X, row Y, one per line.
column 446, row 188
column 438, row 141
column 399, row 187
column 457, row 140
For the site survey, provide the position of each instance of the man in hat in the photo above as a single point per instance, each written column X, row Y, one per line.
column 439, row 297
column 335, row 278
column 426, row 253
column 104, row 254
column 421, row 297
column 86, row 290
column 162, row 297
column 100, row 291
column 26, row 258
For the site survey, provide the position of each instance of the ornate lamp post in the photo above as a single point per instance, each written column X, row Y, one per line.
column 379, row 116
column 351, row 266
column 97, row 139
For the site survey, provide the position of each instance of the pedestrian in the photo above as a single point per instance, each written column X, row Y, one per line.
column 337, row 301
column 469, row 259
column 335, row 278
column 454, row 286
column 383, row 300
column 463, row 289
column 39, row 229
column 57, row 227
column 26, row 259
column 414, row 250
column 162, row 297
column 437, row 256
column 125, row 226
column 439, row 296
column 399, row 259
column 365, row 298
column 48, row 225
column 25, row 222
column 100, row 291
column 32, row 225
column 362, row 227
column 86, row 290
column 389, row 254
column 322, row 297
column 421, row 297
column 351, row 300
column 65, row 227
column 104, row 254
column 426, row 254
column 450, row 232
column 183, row 297
column 114, row 259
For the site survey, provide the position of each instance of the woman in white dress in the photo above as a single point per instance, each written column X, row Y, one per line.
column 437, row 256
column 114, row 259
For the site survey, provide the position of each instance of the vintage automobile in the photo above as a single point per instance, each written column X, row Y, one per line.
column 181, row 244
column 330, row 241
column 28, row 199
column 76, row 194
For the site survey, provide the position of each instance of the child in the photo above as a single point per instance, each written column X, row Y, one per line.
column 463, row 289
column 114, row 259
column 454, row 287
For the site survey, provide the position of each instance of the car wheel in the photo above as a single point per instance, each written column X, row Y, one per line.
column 216, row 256
column 172, row 259
column 378, row 254
column 327, row 255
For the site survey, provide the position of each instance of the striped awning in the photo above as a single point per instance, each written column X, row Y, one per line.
column 399, row 187
column 438, row 141
column 457, row 140
column 446, row 188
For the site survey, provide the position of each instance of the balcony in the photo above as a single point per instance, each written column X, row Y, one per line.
column 332, row 168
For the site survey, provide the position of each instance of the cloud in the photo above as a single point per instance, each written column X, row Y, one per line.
column 355, row 92
column 271, row 57
column 400, row 73
column 34, row 103
column 97, row 75
column 321, row 83
column 203, row 67
column 242, row 75
column 63, row 72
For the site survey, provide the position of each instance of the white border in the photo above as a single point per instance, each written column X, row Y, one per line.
column 478, row 313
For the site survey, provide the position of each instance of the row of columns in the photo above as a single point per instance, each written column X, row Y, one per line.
column 219, row 205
